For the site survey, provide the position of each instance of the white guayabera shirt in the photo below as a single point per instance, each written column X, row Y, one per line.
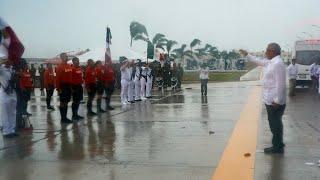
column 204, row 73
column 274, row 79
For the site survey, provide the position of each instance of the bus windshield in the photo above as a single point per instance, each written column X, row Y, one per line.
column 306, row 57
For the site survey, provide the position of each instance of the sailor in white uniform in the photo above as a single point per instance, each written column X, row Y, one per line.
column 137, row 83
column 8, row 101
column 150, row 76
column 143, row 81
column 124, row 82
column 131, row 70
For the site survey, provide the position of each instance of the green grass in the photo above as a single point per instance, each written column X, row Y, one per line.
column 213, row 76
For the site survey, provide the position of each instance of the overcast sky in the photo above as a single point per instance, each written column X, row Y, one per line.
column 47, row 27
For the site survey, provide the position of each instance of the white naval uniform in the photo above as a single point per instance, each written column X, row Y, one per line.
column 137, row 84
column 149, row 82
column 143, row 81
column 124, row 85
column 318, row 74
column 8, row 103
column 131, row 85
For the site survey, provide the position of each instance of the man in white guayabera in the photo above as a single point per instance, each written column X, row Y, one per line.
column 274, row 92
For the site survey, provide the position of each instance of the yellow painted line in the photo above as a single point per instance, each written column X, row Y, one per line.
column 234, row 165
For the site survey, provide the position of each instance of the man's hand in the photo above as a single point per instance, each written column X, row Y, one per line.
column 275, row 105
column 243, row 52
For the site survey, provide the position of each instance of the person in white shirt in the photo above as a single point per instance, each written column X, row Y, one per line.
column 204, row 77
column 131, row 70
column 292, row 72
column 8, row 101
column 313, row 73
column 143, row 81
column 137, row 83
column 124, row 82
column 273, row 92
column 150, row 75
column 317, row 74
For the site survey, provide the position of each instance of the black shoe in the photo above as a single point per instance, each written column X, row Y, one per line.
column 273, row 150
column 91, row 113
column 111, row 108
column 77, row 117
column 149, row 97
column 101, row 111
column 138, row 100
column 50, row 108
column 80, row 117
column 67, row 121
column 11, row 135
column 28, row 114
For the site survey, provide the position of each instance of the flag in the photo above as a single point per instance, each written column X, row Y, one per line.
column 150, row 50
column 107, row 55
column 11, row 42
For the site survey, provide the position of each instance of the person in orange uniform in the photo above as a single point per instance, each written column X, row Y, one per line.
column 100, row 84
column 49, row 84
column 26, row 86
column 77, row 90
column 64, row 86
column 90, row 82
column 109, row 82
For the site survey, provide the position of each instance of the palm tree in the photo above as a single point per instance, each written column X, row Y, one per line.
column 194, row 43
column 159, row 41
column 138, row 32
column 225, row 55
column 214, row 52
column 182, row 53
column 169, row 45
column 201, row 53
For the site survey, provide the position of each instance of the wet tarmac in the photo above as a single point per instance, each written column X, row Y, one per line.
column 176, row 135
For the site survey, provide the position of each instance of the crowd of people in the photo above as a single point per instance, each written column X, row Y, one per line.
column 135, row 78
column 314, row 70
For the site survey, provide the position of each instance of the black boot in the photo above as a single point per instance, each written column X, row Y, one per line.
column 75, row 108
column 100, row 110
column 89, row 109
column 108, row 104
column 64, row 112
column 48, row 100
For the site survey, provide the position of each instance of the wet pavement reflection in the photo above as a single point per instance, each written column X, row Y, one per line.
column 167, row 137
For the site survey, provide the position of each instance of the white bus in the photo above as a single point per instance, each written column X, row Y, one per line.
column 305, row 51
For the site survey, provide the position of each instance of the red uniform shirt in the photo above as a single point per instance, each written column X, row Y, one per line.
column 100, row 73
column 49, row 79
column 77, row 76
column 26, row 80
column 109, row 75
column 90, row 76
column 64, row 75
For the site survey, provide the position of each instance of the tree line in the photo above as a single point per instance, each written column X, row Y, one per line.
column 191, row 54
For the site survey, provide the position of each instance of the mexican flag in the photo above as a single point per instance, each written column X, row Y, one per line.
column 11, row 47
column 107, row 55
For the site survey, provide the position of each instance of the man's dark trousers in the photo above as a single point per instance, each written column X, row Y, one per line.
column 275, row 123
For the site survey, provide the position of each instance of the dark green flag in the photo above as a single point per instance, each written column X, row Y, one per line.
column 150, row 50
